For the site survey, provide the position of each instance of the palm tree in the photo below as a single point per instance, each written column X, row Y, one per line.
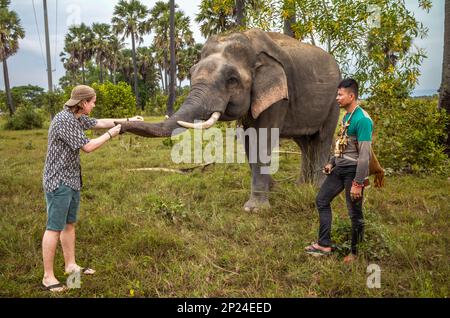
column 130, row 20
column 79, row 44
column 72, row 65
column 215, row 19
column 147, row 71
column 10, row 33
column 444, row 95
column 186, row 58
column 160, row 24
column 101, row 46
column 115, row 45
column 125, row 65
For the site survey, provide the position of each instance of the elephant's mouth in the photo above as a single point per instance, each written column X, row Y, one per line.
column 204, row 125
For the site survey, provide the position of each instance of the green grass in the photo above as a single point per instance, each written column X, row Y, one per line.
column 160, row 234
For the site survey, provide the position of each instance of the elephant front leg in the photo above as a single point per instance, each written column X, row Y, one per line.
column 265, row 138
column 260, row 190
column 259, row 154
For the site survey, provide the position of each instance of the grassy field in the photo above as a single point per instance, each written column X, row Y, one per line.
column 162, row 234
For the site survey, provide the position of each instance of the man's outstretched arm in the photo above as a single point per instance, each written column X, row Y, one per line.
column 109, row 122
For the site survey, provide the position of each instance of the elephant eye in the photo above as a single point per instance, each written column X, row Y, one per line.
column 232, row 82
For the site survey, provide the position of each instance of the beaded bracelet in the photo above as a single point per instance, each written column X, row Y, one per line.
column 357, row 185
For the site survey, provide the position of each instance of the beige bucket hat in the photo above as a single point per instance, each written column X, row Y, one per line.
column 79, row 93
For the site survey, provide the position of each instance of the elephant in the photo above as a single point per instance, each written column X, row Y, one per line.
column 264, row 80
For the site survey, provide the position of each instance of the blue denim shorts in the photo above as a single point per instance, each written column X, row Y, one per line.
column 62, row 207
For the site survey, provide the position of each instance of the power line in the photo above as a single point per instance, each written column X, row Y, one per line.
column 39, row 36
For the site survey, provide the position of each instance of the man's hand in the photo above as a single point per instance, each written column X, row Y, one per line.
column 115, row 130
column 355, row 193
column 327, row 169
column 136, row 118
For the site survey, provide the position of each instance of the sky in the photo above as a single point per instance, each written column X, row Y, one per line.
column 28, row 66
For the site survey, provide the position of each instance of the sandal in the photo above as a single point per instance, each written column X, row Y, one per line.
column 87, row 271
column 83, row 270
column 53, row 288
column 314, row 251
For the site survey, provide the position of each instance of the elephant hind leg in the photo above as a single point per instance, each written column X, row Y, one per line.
column 316, row 149
column 312, row 159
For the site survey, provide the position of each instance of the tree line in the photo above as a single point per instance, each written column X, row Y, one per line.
column 97, row 52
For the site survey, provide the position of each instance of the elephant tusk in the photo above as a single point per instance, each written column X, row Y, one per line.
column 210, row 122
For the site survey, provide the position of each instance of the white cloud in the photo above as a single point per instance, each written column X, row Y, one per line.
column 31, row 45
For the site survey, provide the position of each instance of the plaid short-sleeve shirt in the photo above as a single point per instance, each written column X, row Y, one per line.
column 65, row 138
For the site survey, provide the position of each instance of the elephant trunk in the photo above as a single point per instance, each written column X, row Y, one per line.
column 200, row 104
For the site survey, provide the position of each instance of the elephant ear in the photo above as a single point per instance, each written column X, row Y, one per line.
column 269, row 84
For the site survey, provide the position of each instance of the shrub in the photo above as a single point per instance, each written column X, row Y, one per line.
column 53, row 102
column 25, row 117
column 157, row 104
column 410, row 137
column 114, row 101
column 181, row 96
column 23, row 94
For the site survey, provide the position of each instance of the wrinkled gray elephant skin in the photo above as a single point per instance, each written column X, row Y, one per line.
column 266, row 80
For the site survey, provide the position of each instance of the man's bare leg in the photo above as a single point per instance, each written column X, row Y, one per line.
column 67, row 238
column 49, row 243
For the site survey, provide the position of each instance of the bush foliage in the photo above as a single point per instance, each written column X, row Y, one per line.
column 410, row 137
column 25, row 117
column 157, row 104
column 114, row 101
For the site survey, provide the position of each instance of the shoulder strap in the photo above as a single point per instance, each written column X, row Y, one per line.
column 351, row 115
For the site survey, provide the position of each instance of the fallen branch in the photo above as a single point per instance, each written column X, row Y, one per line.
column 158, row 169
column 180, row 171
column 203, row 166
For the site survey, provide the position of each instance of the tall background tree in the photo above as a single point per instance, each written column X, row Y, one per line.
column 10, row 33
column 79, row 44
column 101, row 46
column 217, row 16
column 186, row 58
column 160, row 24
column 371, row 40
column 289, row 17
column 444, row 95
column 240, row 12
column 130, row 20
column 115, row 45
column 70, row 64
column 148, row 73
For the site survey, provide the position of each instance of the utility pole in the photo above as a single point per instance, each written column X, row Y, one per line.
column 47, row 47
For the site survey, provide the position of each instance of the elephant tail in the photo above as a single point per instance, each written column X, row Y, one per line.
column 379, row 179
column 376, row 169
